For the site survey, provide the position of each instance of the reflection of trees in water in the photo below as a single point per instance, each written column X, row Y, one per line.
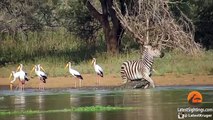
column 98, row 101
column 41, row 102
column 154, row 105
column 148, row 101
column 74, row 102
column 20, row 104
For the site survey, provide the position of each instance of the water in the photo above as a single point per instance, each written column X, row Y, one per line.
column 152, row 104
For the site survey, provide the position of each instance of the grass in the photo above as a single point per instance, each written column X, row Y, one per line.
column 175, row 63
column 74, row 109
column 53, row 51
column 179, row 63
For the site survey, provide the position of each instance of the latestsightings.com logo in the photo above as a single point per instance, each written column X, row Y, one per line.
column 195, row 97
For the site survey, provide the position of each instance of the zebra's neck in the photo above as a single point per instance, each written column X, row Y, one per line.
column 147, row 60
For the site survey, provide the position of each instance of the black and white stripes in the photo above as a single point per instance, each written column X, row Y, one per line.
column 138, row 69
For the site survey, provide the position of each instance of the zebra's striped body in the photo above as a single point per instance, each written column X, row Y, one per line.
column 140, row 69
column 135, row 72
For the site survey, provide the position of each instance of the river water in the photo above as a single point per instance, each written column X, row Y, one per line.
column 161, row 103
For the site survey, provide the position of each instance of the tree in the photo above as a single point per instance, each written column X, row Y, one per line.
column 21, row 16
column 204, row 27
column 201, row 14
column 152, row 22
column 111, row 25
column 76, row 19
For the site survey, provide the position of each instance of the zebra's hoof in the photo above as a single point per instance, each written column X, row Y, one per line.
column 124, row 82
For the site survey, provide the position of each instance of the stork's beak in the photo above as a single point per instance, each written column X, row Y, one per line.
column 66, row 66
column 42, row 68
column 18, row 68
column 11, row 86
column 32, row 70
column 10, row 75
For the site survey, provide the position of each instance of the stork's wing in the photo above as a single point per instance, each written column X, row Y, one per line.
column 98, row 69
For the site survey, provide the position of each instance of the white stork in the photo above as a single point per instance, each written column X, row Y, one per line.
column 75, row 74
column 22, row 76
column 98, row 70
column 16, row 75
column 42, row 76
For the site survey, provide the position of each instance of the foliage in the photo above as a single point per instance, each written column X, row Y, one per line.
column 77, row 19
column 20, row 16
column 74, row 109
column 49, row 46
column 201, row 14
column 35, row 32
column 60, row 53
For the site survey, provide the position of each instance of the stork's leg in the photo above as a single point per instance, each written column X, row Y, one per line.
column 43, row 84
column 20, row 85
column 75, row 82
column 80, row 82
column 39, row 83
column 39, row 86
column 99, row 80
column 23, row 87
column 17, row 87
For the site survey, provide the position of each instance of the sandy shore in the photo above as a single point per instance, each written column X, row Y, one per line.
column 112, row 80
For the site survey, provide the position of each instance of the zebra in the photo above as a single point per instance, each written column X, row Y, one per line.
column 141, row 69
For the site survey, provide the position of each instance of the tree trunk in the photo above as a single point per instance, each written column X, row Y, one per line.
column 112, row 41
column 112, row 28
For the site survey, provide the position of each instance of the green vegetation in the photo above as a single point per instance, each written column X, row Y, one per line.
column 54, row 50
column 180, row 63
column 53, row 32
column 74, row 109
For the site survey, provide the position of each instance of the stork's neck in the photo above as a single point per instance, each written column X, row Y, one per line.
column 21, row 67
column 69, row 66
column 38, row 68
column 147, row 60
column 94, row 63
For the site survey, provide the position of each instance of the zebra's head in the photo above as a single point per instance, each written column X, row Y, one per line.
column 154, row 51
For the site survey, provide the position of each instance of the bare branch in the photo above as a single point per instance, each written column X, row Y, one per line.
column 152, row 19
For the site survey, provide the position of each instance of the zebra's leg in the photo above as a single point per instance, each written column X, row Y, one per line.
column 149, row 80
column 125, row 80
column 146, row 86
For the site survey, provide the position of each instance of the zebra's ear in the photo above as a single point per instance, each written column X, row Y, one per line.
column 147, row 46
